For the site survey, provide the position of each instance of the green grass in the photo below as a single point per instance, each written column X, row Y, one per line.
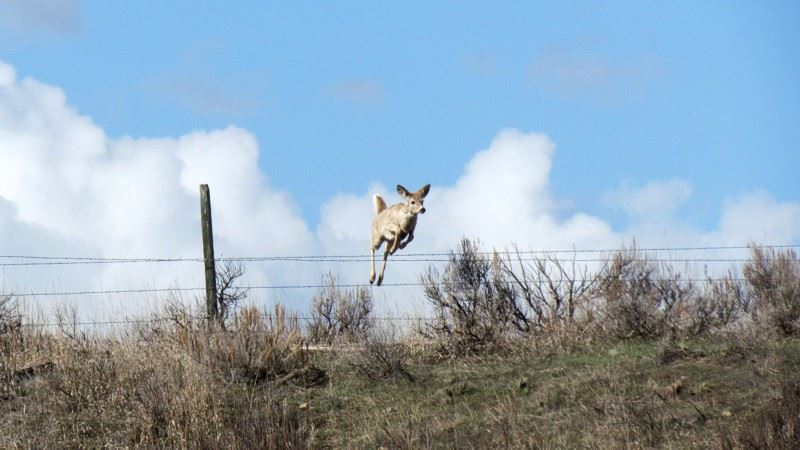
column 627, row 394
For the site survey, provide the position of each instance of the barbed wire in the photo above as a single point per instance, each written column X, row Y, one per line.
column 67, row 323
column 94, row 322
column 313, row 286
column 98, row 292
column 176, row 289
column 415, row 257
column 515, row 256
column 404, row 260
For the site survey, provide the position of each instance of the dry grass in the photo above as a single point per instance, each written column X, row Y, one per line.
column 711, row 366
column 179, row 385
column 173, row 386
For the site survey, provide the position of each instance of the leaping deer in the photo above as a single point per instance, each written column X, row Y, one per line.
column 393, row 224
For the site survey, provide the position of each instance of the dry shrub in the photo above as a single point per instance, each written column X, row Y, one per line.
column 551, row 300
column 641, row 298
column 10, row 319
column 229, row 294
column 482, row 302
column 548, row 292
column 260, row 347
column 180, row 384
column 383, row 356
column 340, row 314
column 723, row 302
column 473, row 306
column 10, row 339
column 775, row 279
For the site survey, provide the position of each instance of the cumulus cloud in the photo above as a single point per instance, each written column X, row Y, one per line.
column 504, row 195
column 754, row 217
column 63, row 181
column 66, row 188
column 657, row 198
column 757, row 216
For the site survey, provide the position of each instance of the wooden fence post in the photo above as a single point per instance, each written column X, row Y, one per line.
column 212, row 308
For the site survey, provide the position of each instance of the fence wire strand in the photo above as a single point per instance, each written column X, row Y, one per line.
column 153, row 320
column 515, row 255
column 413, row 257
column 302, row 286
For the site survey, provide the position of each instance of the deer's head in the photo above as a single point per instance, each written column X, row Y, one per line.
column 414, row 200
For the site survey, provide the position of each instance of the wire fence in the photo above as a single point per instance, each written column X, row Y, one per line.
column 408, row 257
column 198, row 318
column 514, row 255
column 524, row 259
column 302, row 286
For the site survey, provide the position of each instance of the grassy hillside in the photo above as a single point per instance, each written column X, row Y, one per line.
column 171, row 388
column 637, row 394
column 641, row 361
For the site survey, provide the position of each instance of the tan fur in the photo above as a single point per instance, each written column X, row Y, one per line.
column 395, row 225
column 380, row 205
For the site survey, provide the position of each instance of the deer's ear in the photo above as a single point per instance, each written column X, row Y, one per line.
column 423, row 191
column 403, row 191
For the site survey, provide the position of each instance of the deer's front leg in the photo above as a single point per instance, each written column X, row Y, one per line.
column 395, row 244
column 383, row 267
column 372, row 272
column 408, row 239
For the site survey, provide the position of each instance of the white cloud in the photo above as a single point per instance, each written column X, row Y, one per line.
column 504, row 196
column 68, row 189
column 62, row 178
column 757, row 216
column 753, row 216
column 656, row 198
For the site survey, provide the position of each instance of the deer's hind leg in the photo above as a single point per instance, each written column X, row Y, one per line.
column 372, row 271
column 388, row 249
column 383, row 267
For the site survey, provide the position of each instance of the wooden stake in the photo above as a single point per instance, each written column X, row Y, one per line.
column 212, row 308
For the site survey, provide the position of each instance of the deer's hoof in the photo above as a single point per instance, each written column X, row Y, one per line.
column 372, row 279
column 380, row 280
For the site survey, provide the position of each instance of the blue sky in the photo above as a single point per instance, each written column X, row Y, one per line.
column 341, row 94
column 575, row 124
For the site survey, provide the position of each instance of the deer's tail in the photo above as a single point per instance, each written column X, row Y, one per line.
column 380, row 205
